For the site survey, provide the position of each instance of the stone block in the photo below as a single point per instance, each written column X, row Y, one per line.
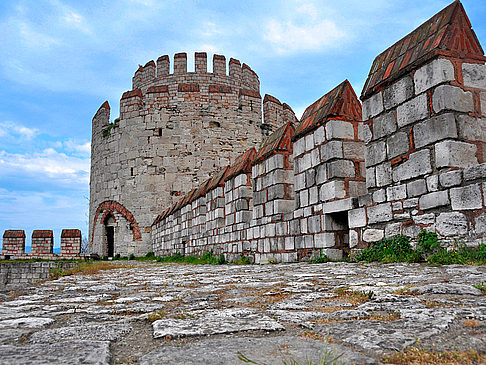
column 356, row 188
column 411, row 203
column 474, row 75
column 412, row 111
column 357, row 218
column 434, row 200
column 393, row 229
column 384, row 125
column 299, row 147
column 373, row 235
column 367, row 135
column 370, row 177
column 299, row 182
column 353, row 238
column 372, row 106
column 333, row 253
column 447, row 97
column 455, row 154
column 417, row 165
column 424, row 219
column 383, row 174
column 354, row 150
column 471, row 128
column 310, row 178
column 432, row 183
column 398, row 92
column 480, row 224
column 397, row 144
column 432, row 74
column 332, row 190
column 466, row 197
column 398, row 192
column 283, row 206
column 339, row 205
column 375, row 153
column 340, row 168
column 379, row 213
column 416, row 188
column 339, row 129
column 319, row 136
column 332, row 149
column 482, row 100
column 315, row 157
column 365, row 200
column 324, row 240
column 321, row 174
column 475, row 172
column 313, row 195
column 451, row 224
column 434, row 129
column 379, row 196
column 451, row 178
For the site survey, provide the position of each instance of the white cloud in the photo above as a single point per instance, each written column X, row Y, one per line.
column 288, row 37
column 13, row 130
column 84, row 149
column 48, row 163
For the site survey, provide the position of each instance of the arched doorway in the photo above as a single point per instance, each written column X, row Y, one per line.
column 110, row 224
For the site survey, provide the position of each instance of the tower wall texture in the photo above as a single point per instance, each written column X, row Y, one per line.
column 174, row 130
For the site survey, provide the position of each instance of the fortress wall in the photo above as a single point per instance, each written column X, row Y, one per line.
column 174, row 130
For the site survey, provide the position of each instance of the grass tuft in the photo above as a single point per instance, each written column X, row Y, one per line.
column 419, row 356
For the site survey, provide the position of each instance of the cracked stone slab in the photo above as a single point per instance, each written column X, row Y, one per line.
column 26, row 322
column 454, row 289
column 266, row 350
column 94, row 332
column 62, row 353
column 211, row 322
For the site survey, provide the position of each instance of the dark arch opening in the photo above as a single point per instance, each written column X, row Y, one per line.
column 110, row 235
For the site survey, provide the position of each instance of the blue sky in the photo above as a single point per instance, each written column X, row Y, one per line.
column 61, row 59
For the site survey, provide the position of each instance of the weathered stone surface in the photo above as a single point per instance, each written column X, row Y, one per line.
column 451, row 224
column 434, row 129
column 475, row 172
column 434, row 200
column 455, row 154
column 417, row 165
column 93, row 332
column 398, row 144
column 480, row 224
column 446, row 97
column 375, row 153
column 379, row 213
column 398, row 192
column 467, row 197
column 451, row 178
column 471, row 128
column 211, row 322
column 432, row 74
column 384, row 125
column 338, row 129
column 373, row 235
column 357, row 218
column 445, row 288
column 412, row 111
column 398, row 92
column 372, row 106
column 474, row 75
column 383, row 174
column 416, row 188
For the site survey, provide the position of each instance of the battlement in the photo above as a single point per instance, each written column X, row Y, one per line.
column 155, row 73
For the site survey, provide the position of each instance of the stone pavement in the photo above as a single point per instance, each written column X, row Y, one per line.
column 181, row 314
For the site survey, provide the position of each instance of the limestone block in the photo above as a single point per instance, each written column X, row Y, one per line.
column 411, row 203
column 434, row 200
column 373, row 235
column 417, row 165
column 310, row 178
column 274, row 162
column 333, row 253
column 412, row 111
column 357, row 188
column 375, row 153
column 367, row 135
column 384, row 125
column 370, row 177
column 339, row 129
column 332, row 190
column 304, row 197
column 450, row 178
column 379, row 196
column 353, row 238
column 299, row 182
column 398, row 192
column 471, row 128
column 341, row 168
column 416, row 188
column 432, row 183
column 314, row 224
column 475, row 172
column 321, row 174
column 434, row 129
column 446, row 97
column 425, row 219
column 372, row 106
column 398, row 92
column 393, row 229
column 379, row 213
column 324, row 240
column 283, row 206
column 332, row 149
column 313, row 195
column 339, row 205
column 455, row 154
column 354, row 150
column 319, row 136
column 299, row 147
column 451, row 224
column 433, row 73
column 466, row 197
column 357, row 218
column 315, row 157
column 474, row 75
column 383, row 174
column 397, row 144
column 480, row 224
column 309, row 142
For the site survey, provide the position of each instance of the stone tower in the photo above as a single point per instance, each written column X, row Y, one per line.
column 174, row 129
